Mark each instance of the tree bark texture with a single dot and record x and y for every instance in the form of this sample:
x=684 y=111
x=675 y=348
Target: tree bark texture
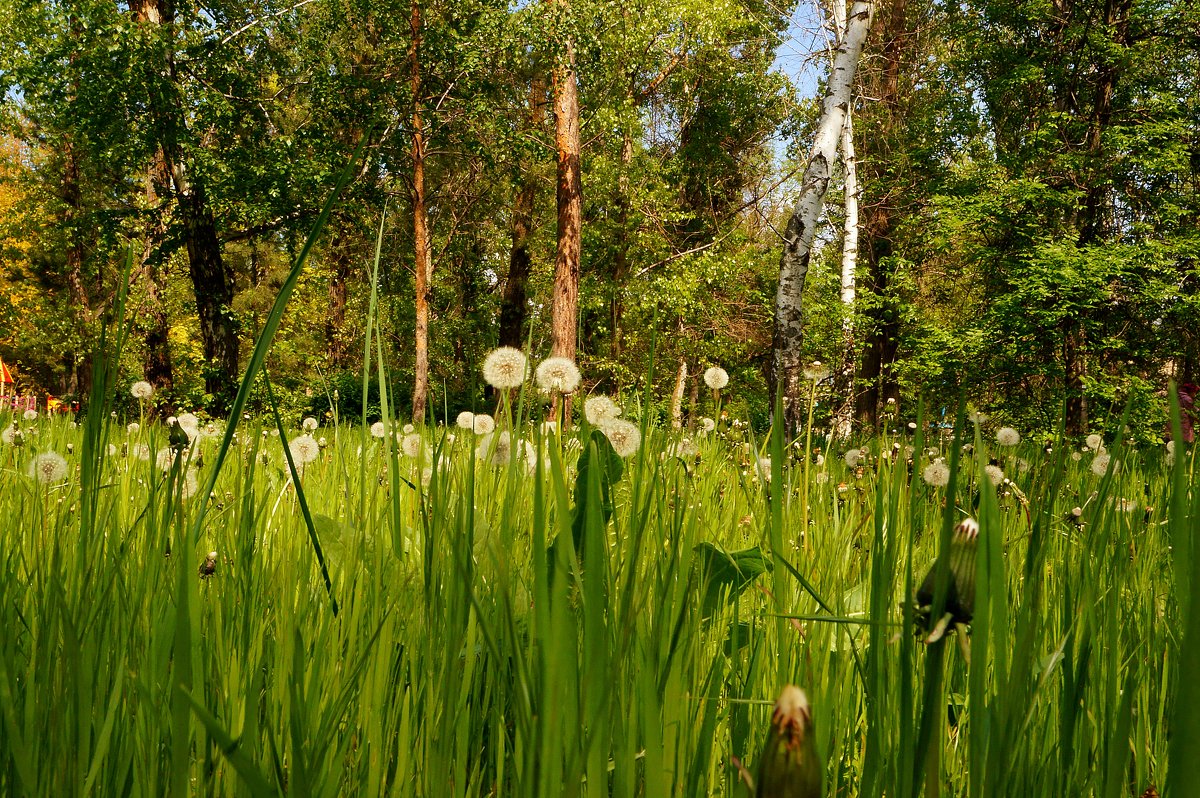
x=787 y=372
x=565 y=301
x=513 y=310
x=212 y=280
x=681 y=378
x=843 y=373
x=422 y=253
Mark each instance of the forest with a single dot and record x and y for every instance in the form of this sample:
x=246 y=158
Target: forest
x=600 y=399
x=1011 y=212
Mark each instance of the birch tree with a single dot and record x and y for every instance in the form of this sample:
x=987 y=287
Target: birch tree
x=787 y=360
x=843 y=417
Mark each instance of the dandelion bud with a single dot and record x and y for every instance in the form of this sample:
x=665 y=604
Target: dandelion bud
x=209 y=566
x=960 y=594
x=788 y=766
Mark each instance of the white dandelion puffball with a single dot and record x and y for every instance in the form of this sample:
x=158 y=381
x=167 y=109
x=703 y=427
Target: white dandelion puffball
x=852 y=457
x=1170 y=447
x=1095 y=442
x=483 y=424
x=624 y=436
x=379 y=430
x=165 y=458
x=764 y=468
x=189 y=423
x=822 y=478
x=977 y=417
x=141 y=451
x=505 y=367
x=9 y=434
x=549 y=427
x=408 y=428
x=685 y=448
x=716 y=378
x=309 y=424
x=465 y=420
x=937 y=474
x=112 y=450
x=304 y=449
x=49 y=468
x=994 y=474
x=30 y=415
x=707 y=424
x=133 y=428
x=558 y=374
x=1007 y=436
x=411 y=445
x=1076 y=456
x=598 y=409
x=1102 y=463
x=528 y=454
x=816 y=371
x=141 y=390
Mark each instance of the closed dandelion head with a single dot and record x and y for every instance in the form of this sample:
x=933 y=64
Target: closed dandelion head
x=465 y=420
x=505 y=368
x=48 y=468
x=379 y=430
x=1007 y=436
x=788 y=764
x=483 y=424
x=716 y=378
x=936 y=474
x=598 y=409
x=624 y=436
x=141 y=390
x=309 y=424
x=304 y=449
x=558 y=375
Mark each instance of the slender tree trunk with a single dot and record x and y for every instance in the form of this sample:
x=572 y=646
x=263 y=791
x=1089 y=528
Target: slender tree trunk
x=843 y=418
x=513 y=311
x=787 y=372
x=681 y=377
x=422 y=254
x=565 y=302
x=157 y=365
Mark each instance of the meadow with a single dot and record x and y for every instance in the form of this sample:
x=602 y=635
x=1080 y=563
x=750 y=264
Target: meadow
x=533 y=612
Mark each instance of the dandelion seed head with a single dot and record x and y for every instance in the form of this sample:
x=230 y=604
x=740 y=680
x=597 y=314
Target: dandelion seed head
x=309 y=424
x=465 y=420
x=936 y=474
x=304 y=449
x=48 y=468
x=411 y=445
x=505 y=367
x=1094 y=441
x=1102 y=463
x=133 y=428
x=31 y=415
x=994 y=473
x=707 y=424
x=816 y=371
x=1007 y=436
x=141 y=390
x=557 y=374
x=716 y=378
x=976 y=417
x=483 y=424
x=379 y=430
x=600 y=408
x=624 y=436
x=1170 y=447
x=852 y=457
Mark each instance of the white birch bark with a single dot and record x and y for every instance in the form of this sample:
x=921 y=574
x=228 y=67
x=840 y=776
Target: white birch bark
x=843 y=418
x=801 y=228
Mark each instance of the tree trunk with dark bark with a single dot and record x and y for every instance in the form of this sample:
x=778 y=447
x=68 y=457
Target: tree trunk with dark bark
x=513 y=311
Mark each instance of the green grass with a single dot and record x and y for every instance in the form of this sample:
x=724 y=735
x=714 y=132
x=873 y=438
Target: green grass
x=470 y=657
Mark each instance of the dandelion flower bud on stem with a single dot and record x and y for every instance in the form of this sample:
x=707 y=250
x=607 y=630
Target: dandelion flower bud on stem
x=788 y=766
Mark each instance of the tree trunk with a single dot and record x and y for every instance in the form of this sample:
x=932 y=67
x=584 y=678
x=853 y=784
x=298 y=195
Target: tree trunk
x=212 y=281
x=787 y=372
x=621 y=256
x=843 y=417
x=565 y=302
x=422 y=254
x=157 y=364
x=677 y=395
x=513 y=311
